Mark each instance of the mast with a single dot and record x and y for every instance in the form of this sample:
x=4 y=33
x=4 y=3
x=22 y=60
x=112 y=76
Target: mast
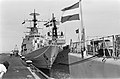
x=33 y=29
x=34 y=18
x=54 y=29
x=53 y=22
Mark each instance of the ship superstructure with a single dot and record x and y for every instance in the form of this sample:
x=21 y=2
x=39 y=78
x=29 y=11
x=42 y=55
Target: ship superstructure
x=34 y=40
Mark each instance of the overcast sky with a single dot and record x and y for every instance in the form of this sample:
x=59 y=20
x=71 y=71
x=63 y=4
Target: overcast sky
x=100 y=17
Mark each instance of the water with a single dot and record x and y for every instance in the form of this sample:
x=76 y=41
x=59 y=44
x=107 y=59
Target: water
x=58 y=71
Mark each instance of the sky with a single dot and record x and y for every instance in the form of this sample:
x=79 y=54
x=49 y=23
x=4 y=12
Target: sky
x=100 y=18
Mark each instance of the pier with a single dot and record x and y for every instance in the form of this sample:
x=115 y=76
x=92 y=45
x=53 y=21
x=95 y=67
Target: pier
x=18 y=69
x=93 y=67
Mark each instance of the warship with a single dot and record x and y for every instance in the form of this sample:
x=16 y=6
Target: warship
x=39 y=49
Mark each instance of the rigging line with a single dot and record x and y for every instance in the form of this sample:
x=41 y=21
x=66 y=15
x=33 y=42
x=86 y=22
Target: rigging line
x=42 y=53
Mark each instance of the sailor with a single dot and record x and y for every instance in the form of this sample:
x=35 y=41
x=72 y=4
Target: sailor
x=3 y=68
x=83 y=51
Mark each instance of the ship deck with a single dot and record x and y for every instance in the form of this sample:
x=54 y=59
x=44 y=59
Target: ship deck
x=17 y=69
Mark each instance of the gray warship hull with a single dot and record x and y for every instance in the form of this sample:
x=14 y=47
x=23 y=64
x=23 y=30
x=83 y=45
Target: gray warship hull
x=43 y=57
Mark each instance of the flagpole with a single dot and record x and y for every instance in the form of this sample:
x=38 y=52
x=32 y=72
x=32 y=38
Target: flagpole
x=81 y=18
x=65 y=34
x=82 y=31
x=78 y=35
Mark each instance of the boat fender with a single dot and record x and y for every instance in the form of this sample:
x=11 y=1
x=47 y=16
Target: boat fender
x=23 y=58
x=20 y=55
x=29 y=62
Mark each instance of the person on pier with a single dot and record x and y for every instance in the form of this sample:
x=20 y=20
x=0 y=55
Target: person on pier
x=3 y=68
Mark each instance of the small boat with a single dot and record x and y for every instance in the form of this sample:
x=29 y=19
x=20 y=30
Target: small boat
x=15 y=51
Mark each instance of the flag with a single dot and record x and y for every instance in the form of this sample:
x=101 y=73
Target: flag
x=46 y=23
x=70 y=13
x=23 y=22
x=70 y=18
x=77 y=31
x=76 y=5
x=50 y=24
x=57 y=22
